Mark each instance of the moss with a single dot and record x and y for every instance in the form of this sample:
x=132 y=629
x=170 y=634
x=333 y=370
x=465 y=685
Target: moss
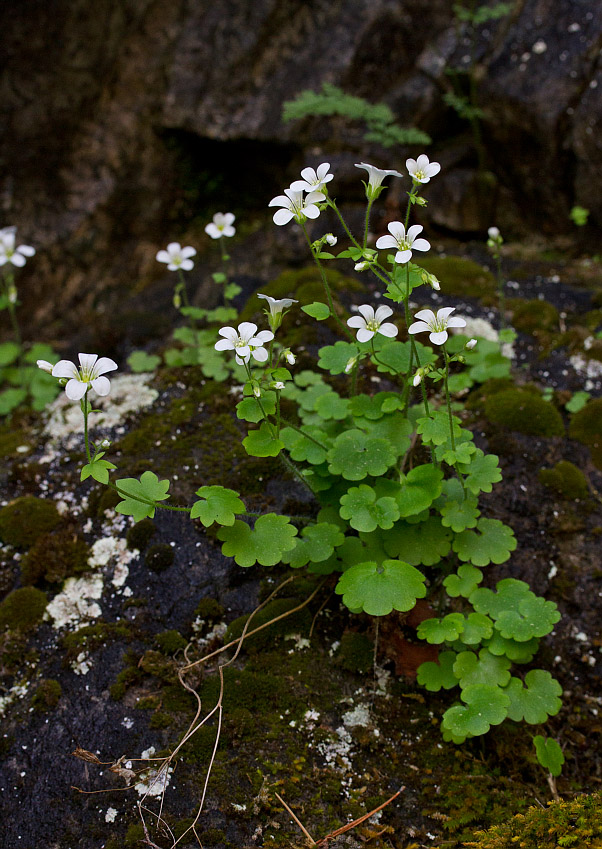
x=160 y=719
x=214 y=837
x=148 y=703
x=177 y=700
x=139 y=534
x=576 y=823
x=134 y=836
x=169 y=642
x=22 y=609
x=356 y=652
x=476 y=399
x=131 y=674
x=25 y=520
x=92 y=637
x=258 y=692
x=10 y=440
x=198 y=749
x=300 y=621
x=462 y=277
x=108 y=500
x=159 y=557
x=159 y=666
x=209 y=610
x=534 y=316
x=565 y=479
x=525 y=412
x=47 y=695
x=586 y=427
x=54 y=557
x=13 y=654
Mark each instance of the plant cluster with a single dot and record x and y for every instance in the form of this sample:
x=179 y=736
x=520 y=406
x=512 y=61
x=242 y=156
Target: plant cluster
x=395 y=477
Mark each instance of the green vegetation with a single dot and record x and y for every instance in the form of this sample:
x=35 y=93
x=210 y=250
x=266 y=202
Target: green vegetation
x=462 y=277
x=586 y=427
x=23 y=609
x=525 y=412
x=534 y=316
x=54 y=557
x=47 y=695
x=565 y=479
x=25 y=520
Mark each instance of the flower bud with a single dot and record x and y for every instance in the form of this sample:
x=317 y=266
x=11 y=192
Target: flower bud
x=417 y=378
x=257 y=391
x=279 y=384
x=45 y=365
x=290 y=357
x=12 y=294
x=106 y=443
x=430 y=280
x=331 y=240
x=350 y=365
x=470 y=345
x=493 y=233
x=361 y=266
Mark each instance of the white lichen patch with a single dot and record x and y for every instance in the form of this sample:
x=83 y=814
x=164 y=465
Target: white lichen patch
x=129 y=393
x=76 y=604
x=360 y=715
x=300 y=642
x=82 y=664
x=113 y=550
x=153 y=781
x=337 y=753
x=590 y=369
x=17 y=691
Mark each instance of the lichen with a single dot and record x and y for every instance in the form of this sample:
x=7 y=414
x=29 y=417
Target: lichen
x=76 y=602
x=26 y=519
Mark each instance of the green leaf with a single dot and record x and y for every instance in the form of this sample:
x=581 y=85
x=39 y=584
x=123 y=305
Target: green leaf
x=10 y=399
x=491 y=543
x=195 y=313
x=9 y=351
x=436 y=631
x=219 y=277
x=419 y=488
x=262 y=442
x=221 y=315
x=317 y=543
x=483 y=471
x=484 y=669
x=535 y=702
x=518 y=652
x=97 y=469
x=534 y=617
x=377 y=590
x=394 y=427
x=216 y=504
x=461 y=514
x=301 y=448
x=420 y=544
x=486 y=705
x=317 y=310
x=365 y=512
x=477 y=627
x=140 y=361
x=462 y=453
x=549 y=754
x=434 y=429
x=140 y=496
x=213 y=364
x=394 y=358
x=464 y=583
x=440 y=675
x=231 y=290
x=334 y=358
x=355 y=455
x=373 y=407
x=332 y=406
x=249 y=409
x=175 y=357
x=271 y=537
x=577 y=402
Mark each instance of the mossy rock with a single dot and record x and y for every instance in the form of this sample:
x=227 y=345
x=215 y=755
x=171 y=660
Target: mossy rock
x=576 y=824
x=259 y=692
x=461 y=277
x=54 y=557
x=477 y=398
x=299 y=621
x=139 y=534
x=23 y=609
x=92 y=637
x=565 y=479
x=47 y=695
x=10 y=440
x=533 y=317
x=169 y=642
x=586 y=427
x=134 y=836
x=304 y=285
x=525 y=412
x=25 y=520
x=210 y=610
x=159 y=557
x=356 y=652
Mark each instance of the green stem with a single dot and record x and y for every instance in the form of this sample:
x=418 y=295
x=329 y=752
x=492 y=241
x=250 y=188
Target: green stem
x=303 y=433
x=86 y=439
x=326 y=286
x=451 y=421
x=367 y=222
x=500 y=291
x=184 y=290
x=333 y=206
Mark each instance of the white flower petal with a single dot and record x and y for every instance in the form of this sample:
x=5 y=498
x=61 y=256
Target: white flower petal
x=456 y=321
x=281 y=200
x=283 y=216
x=422 y=161
x=229 y=218
x=426 y=315
x=75 y=389
x=438 y=338
x=229 y=333
x=17 y=260
x=262 y=337
x=311 y=211
x=309 y=175
x=421 y=245
x=87 y=361
x=412 y=166
x=382 y=313
x=173 y=248
x=444 y=313
x=418 y=327
x=188 y=252
x=432 y=169
x=364 y=335
x=104 y=365
x=187 y=265
x=224 y=345
x=260 y=354
x=388 y=329
x=403 y=256
x=301 y=186
x=64 y=368
x=163 y=256
x=246 y=330
x=101 y=385
x=386 y=242
x=367 y=312
x=26 y=250
x=356 y=321
x=397 y=230
x=413 y=231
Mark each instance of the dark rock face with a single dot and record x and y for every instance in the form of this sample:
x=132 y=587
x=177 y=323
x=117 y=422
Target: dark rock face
x=93 y=102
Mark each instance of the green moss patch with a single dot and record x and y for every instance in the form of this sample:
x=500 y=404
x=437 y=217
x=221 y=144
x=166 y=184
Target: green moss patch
x=169 y=642
x=525 y=412
x=356 y=652
x=565 y=479
x=586 y=427
x=92 y=637
x=54 y=557
x=138 y=535
x=576 y=823
x=296 y=622
x=25 y=520
x=23 y=609
x=533 y=316
x=159 y=557
x=462 y=277
x=47 y=695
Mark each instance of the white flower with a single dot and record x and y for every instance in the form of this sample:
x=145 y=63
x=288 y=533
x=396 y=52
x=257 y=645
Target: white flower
x=290 y=357
x=350 y=365
x=331 y=240
x=370 y=322
x=87 y=376
x=417 y=379
x=279 y=384
x=295 y=206
x=45 y=365
x=404 y=242
x=361 y=266
x=493 y=233
x=375 y=178
x=177 y=257
x=436 y=324
x=471 y=344
x=245 y=342
x=421 y=170
x=313 y=181
x=8 y=251
x=221 y=225
x=277 y=305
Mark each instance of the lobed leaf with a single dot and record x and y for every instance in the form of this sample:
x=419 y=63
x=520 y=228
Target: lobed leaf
x=440 y=675
x=377 y=590
x=271 y=537
x=491 y=543
x=216 y=504
x=535 y=702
